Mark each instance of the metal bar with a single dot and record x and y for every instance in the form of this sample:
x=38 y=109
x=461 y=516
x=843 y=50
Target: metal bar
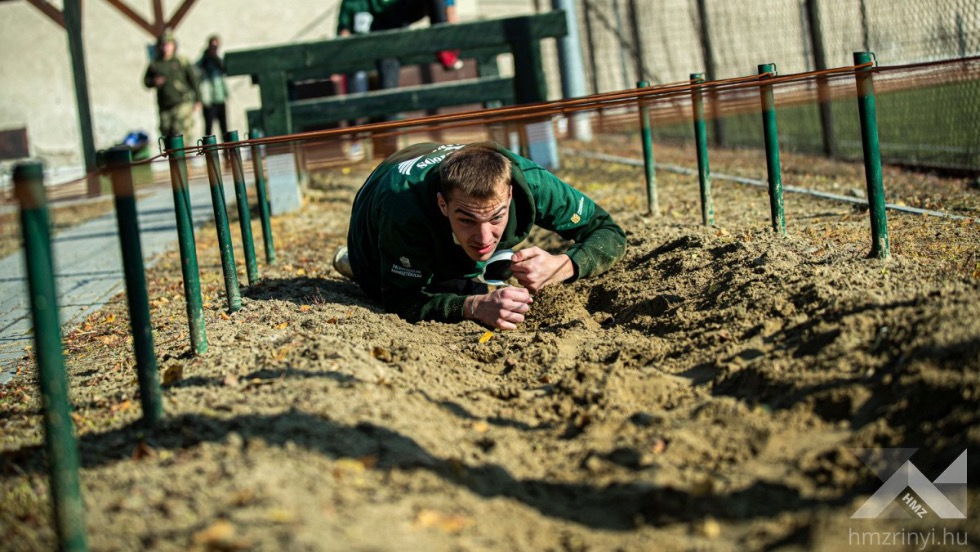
x=590 y=39
x=185 y=241
x=221 y=224
x=241 y=199
x=573 y=68
x=134 y=17
x=759 y=183
x=73 y=26
x=120 y=160
x=636 y=35
x=823 y=89
x=867 y=109
x=260 y=193
x=771 y=133
x=178 y=16
x=701 y=139
x=711 y=73
x=649 y=165
x=62 y=448
x=158 y=23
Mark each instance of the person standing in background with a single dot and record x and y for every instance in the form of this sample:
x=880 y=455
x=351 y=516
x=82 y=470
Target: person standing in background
x=213 y=89
x=361 y=16
x=176 y=82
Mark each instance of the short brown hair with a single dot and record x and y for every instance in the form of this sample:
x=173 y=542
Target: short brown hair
x=476 y=170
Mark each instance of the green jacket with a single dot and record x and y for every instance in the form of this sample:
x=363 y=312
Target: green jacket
x=182 y=82
x=400 y=243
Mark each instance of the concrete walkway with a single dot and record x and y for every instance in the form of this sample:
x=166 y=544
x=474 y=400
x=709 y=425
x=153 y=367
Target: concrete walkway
x=88 y=265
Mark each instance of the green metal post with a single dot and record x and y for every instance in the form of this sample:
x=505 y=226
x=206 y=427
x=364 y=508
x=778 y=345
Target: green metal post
x=649 y=165
x=880 y=246
x=260 y=194
x=66 y=494
x=120 y=161
x=701 y=139
x=241 y=198
x=72 y=12
x=771 y=133
x=221 y=224
x=185 y=241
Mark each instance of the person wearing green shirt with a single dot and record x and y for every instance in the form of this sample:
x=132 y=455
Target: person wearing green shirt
x=427 y=220
x=176 y=82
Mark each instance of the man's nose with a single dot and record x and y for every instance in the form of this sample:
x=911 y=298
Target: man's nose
x=486 y=233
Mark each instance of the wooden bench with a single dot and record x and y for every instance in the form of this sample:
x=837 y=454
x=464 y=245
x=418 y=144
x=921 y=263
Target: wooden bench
x=273 y=68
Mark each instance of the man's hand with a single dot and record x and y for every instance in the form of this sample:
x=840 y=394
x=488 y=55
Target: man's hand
x=503 y=308
x=535 y=268
x=159 y=81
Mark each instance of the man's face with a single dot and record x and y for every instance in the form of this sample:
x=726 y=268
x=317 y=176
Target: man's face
x=478 y=223
x=169 y=47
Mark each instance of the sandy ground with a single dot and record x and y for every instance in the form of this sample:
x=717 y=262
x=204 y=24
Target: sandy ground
x=708 y=393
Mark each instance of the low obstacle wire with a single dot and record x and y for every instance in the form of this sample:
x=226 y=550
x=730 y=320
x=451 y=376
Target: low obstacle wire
x=678 y=169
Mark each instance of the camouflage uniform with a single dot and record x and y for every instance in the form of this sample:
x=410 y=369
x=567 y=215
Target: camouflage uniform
x=178 y=94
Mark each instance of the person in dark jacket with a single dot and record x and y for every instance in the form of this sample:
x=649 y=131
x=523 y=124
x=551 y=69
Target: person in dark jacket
x=213 y=90
x=429 y=217
x=176 y=82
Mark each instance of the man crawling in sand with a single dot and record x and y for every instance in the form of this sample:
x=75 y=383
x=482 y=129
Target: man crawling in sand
x=429 y=218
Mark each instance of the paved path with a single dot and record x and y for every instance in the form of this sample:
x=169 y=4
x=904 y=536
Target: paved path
x=88 y=265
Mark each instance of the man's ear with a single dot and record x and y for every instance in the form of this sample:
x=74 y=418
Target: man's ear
x=443 y=206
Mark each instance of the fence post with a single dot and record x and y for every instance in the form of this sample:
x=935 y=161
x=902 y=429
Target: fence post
x=771 y=134
x=572 y=69
x=701 y=139
x=649 y=165
x=590 y=40
x=880 y=246
x=241 y=199
x=185 y=240
x=221 y=223
x=711 y=73
x=823 y=89
x=258 y=169
x=119 y=159
x=62 y=448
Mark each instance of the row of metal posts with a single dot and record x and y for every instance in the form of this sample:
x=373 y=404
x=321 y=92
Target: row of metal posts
x=62 y=448
x=880 y=247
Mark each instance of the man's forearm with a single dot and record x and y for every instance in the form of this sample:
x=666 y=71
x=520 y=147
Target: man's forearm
x=599 y=252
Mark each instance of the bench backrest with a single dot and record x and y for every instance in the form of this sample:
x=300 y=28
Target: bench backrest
x=273 y=67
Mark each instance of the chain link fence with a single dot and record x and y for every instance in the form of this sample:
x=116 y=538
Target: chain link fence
x=930 y=122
